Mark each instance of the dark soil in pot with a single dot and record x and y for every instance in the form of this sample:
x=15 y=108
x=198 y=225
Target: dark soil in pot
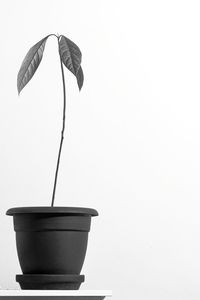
x=53 y=241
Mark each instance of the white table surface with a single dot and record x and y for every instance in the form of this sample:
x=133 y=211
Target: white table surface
x=56 y=293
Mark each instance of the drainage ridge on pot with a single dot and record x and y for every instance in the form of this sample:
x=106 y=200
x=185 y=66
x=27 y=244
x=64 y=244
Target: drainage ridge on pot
x=51 y=240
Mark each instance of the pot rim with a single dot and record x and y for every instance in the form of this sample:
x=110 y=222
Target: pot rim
x=60 y=210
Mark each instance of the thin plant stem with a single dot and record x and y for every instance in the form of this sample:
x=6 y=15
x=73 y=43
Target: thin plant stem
x=63 y=128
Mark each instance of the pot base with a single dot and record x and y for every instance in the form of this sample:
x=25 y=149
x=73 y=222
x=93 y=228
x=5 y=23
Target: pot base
x=50 y=281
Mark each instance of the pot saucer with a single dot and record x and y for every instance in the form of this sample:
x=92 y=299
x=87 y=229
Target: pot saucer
x=50 y=281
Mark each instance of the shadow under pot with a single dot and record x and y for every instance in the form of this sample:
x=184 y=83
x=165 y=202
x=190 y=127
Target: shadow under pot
x=51 y=241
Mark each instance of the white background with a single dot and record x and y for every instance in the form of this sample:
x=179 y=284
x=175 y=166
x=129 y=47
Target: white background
x=132 y=144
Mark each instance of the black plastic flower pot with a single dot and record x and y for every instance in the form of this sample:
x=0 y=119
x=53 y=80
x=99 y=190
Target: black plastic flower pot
x=51 y=241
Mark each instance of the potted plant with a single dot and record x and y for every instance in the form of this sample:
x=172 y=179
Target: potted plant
x=52 y=241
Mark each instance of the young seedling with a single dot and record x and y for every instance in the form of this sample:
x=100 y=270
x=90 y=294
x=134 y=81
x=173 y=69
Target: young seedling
x=70 y=55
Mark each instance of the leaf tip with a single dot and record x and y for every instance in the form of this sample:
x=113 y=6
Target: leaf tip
x=18 y=90
x=80 y=78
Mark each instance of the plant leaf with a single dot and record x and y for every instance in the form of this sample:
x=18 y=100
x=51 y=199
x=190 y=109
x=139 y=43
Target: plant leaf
x=30 y=64
x=70 y=55
x=80 y=78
